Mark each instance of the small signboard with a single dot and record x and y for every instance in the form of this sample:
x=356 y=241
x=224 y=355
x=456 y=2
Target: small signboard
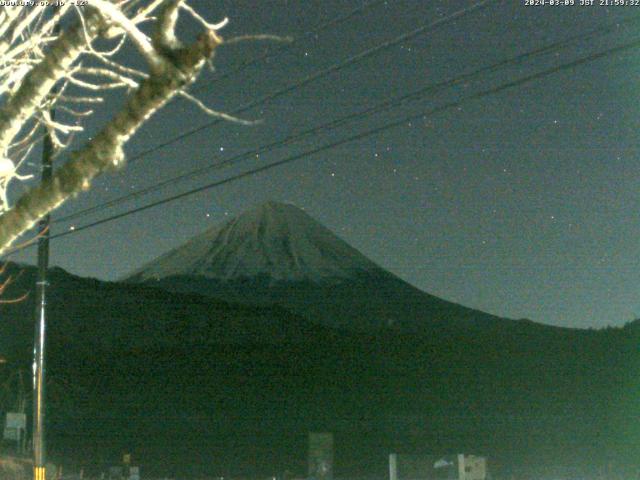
x=16 y=420
x=15 y=426
x=115 y=473
x=320 y=456
x=134 y=473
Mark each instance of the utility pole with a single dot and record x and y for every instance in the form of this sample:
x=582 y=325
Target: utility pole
x=39 y=365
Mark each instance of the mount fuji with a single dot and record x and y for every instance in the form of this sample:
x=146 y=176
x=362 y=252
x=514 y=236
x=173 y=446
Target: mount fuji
x=276 y=254
x=275 y=240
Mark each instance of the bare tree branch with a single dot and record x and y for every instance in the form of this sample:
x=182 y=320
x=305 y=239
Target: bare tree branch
x=105 y=150
x=42 y=67
x=39 y=81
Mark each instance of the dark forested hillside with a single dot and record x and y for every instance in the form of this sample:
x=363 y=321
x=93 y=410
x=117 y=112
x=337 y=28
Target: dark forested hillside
x=211 y=386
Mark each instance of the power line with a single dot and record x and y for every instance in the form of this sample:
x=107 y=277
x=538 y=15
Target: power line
x=361 y=135
x=385 y=105
x=429 y=28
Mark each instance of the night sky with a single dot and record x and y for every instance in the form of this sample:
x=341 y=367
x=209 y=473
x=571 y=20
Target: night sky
x=522 y=203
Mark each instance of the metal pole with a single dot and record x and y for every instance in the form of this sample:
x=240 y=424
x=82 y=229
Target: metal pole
x=39 y=365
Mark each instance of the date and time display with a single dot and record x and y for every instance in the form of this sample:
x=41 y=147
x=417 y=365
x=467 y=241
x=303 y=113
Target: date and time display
x=42 y=3
x=581 y=3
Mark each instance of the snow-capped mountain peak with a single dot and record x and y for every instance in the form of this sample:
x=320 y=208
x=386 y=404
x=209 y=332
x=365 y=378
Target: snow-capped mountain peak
x=275 y=240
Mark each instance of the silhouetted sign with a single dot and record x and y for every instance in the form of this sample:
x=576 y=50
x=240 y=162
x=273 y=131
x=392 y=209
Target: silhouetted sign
x=15 y=426
x=321 y=456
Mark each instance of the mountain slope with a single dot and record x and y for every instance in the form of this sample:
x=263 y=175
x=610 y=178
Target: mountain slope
x=276 y=254
x=200 y=386
x=196 y=386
